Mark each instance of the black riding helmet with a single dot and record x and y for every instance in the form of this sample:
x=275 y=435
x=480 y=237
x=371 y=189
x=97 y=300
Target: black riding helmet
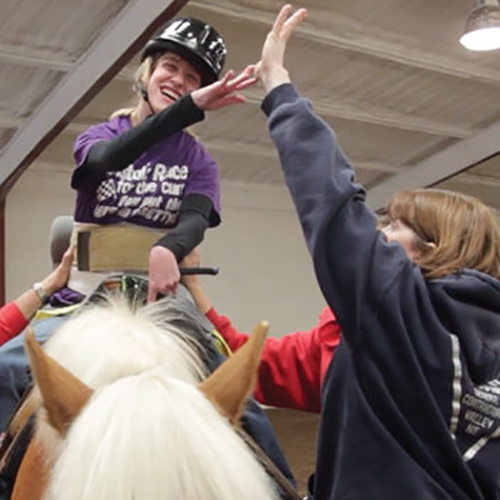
x=195 y=41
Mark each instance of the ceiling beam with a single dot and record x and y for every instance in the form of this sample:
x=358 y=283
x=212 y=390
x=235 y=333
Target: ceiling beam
x=478 y=180
x=118 y=43
x=10 y=121
x=391 y=118
x=37 y=58
x=242 y=148
x=439 y=167
x=375 y=166
x=356 y=39
x=380 y=116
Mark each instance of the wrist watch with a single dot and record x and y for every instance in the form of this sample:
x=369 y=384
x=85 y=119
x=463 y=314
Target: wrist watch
x=42 y=294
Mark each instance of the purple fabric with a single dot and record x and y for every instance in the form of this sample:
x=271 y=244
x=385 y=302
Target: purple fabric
x=149 y=192
x=66 y=297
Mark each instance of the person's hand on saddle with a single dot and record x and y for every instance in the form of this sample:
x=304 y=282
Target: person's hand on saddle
x=225 y=91
x=60 y=275
x=270 y=69
x=30 y=301
x=164 y=275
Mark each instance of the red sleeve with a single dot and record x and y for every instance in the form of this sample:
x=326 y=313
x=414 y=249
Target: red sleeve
x=222 y=324
x=292 y=366
x=289 y=373
x=329 y=335
x=12 y=322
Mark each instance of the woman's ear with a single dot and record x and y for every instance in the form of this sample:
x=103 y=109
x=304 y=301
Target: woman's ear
x=420 y=249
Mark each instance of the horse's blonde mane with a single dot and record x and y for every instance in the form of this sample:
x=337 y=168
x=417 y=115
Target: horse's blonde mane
x=111 y=340
x=151 y=437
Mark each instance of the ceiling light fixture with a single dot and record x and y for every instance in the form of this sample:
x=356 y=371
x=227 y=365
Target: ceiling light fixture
x=482 y=29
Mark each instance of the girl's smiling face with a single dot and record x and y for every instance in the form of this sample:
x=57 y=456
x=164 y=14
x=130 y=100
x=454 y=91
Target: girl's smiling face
x=172 y=77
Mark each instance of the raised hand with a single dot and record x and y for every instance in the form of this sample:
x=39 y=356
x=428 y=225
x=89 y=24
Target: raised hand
x=270 y=69
x=225 y=91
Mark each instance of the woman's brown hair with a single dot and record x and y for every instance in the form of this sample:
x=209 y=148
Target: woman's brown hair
x=455 y=231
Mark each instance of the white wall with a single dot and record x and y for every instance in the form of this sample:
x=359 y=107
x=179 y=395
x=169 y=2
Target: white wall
x=31 y=206
x=266 y=271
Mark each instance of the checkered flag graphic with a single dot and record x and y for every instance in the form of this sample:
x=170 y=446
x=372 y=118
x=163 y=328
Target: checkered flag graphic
x=106 y=190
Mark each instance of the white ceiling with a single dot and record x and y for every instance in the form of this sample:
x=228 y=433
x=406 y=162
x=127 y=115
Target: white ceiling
x=411 y=107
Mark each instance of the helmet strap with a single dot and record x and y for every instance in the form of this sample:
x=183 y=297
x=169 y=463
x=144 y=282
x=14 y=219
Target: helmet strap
x=144 y=95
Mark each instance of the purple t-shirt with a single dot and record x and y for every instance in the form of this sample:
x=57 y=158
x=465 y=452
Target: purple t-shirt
x=149 y=192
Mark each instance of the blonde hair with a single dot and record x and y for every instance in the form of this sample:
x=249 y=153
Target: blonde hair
x=141 y=78
x=455 y=231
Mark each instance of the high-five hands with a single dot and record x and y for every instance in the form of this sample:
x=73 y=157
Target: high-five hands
x=225 y=91
x=270 y=69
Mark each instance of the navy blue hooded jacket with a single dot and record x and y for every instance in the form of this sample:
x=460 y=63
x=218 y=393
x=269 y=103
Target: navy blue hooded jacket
x=411 y=400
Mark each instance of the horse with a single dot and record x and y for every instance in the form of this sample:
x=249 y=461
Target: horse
x=128 y=412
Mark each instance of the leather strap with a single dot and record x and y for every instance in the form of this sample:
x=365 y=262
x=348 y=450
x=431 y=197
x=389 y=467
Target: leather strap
x=19 y=419
x=271 y=468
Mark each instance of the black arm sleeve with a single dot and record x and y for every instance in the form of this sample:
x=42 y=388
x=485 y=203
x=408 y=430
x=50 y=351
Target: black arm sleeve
x=116 y=154
x=191 y=226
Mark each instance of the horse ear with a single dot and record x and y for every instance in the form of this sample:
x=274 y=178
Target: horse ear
x=63 y=394
x=232 y=383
